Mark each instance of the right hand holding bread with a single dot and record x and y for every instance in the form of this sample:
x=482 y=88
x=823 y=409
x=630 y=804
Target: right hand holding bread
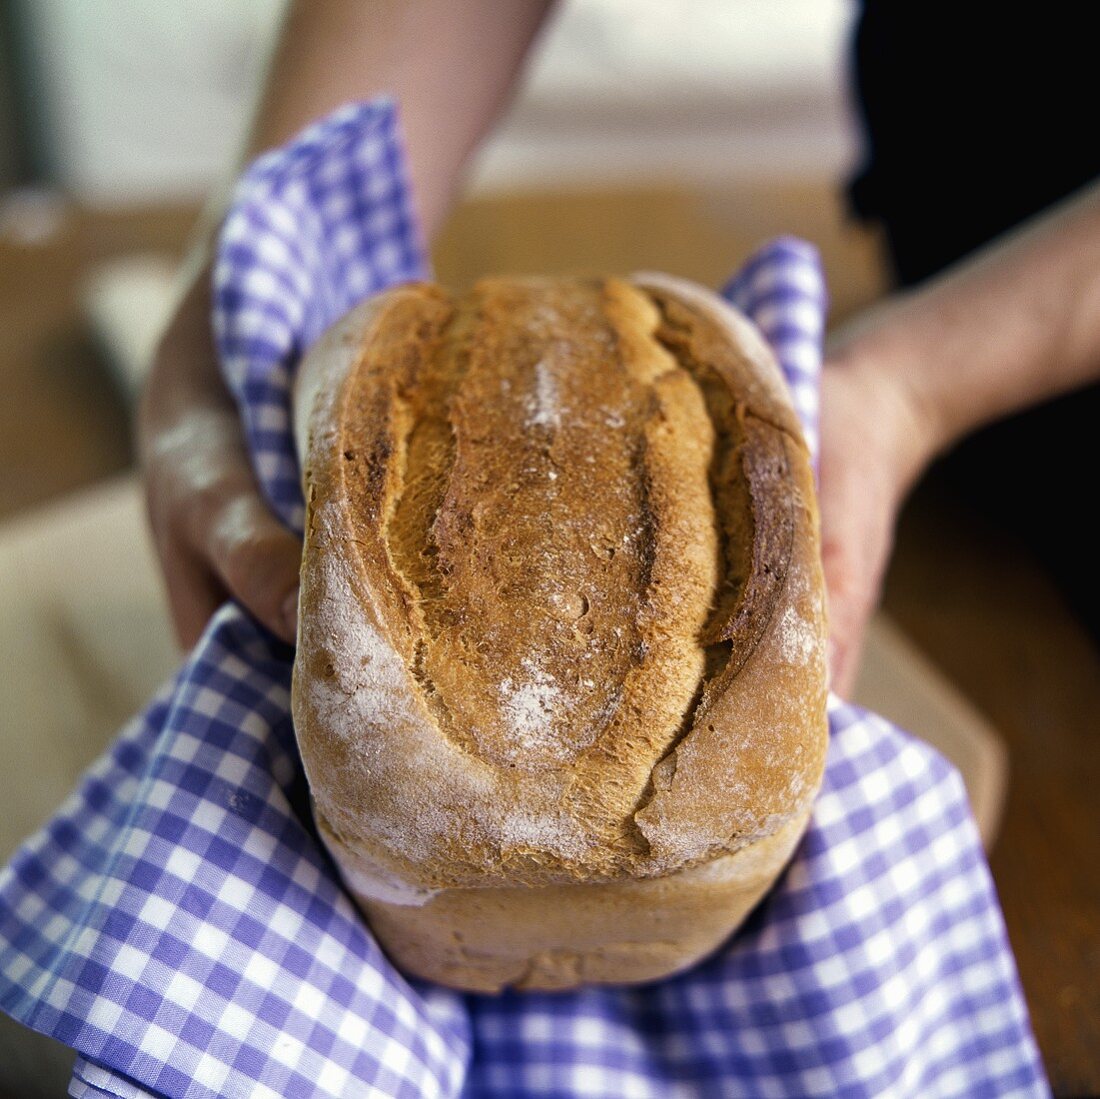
x=874 y=443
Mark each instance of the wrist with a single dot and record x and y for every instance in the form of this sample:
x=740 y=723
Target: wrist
x=890 y=423
x=894 y=387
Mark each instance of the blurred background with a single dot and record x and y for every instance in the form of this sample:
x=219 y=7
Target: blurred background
x=640 y=139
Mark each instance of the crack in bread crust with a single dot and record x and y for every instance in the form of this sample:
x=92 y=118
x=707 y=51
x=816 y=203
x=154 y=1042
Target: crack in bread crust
x=430 y=373
x=751 y=490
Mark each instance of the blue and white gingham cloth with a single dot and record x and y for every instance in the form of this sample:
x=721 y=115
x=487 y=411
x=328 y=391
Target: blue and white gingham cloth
x=179 y=925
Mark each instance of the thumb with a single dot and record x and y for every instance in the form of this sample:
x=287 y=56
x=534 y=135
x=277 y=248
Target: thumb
x=257 y=560
x=852 y=582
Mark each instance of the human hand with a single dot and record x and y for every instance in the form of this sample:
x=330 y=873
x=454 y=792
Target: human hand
x=875 y=441
x=216 y=537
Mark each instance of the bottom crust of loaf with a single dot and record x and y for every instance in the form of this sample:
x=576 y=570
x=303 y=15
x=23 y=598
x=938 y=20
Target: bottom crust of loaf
x=561 y=937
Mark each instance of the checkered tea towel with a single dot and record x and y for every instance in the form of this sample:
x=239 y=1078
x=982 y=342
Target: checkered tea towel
x=179 y=925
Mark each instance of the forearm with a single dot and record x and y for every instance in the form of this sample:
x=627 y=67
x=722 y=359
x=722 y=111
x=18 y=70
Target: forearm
x=451 y=67
x=1016 y=324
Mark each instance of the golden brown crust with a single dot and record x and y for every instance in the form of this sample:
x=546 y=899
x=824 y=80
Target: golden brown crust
x=562 y=620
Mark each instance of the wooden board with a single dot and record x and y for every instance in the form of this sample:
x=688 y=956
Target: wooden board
x=899 y=682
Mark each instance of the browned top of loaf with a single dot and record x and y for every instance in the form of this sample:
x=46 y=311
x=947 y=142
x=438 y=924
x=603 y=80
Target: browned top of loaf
x=561 y=602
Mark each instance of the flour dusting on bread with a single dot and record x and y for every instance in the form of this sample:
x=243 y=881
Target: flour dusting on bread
x=545 y=409
x=532 y=706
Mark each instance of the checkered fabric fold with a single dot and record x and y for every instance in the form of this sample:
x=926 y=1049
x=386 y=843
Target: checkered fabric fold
x=180 y=926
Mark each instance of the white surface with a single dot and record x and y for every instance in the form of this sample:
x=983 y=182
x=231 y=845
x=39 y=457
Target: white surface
x=144 y=101
x=659 y=91
x=128 y=301
x=148 y=102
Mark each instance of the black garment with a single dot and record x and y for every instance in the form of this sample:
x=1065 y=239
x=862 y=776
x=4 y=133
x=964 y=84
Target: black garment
x=973 y=122
x=977 y=117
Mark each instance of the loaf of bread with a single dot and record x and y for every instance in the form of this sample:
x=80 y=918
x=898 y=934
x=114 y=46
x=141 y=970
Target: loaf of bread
x=560 y=680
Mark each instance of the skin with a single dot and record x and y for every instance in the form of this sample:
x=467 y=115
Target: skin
x=1016 y=324
x=1013 y=325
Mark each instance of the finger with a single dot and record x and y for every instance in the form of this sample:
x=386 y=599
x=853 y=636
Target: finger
x=257 y=559
x=193 y=595
x=212 y=501
x=192 y=590
x=852 y=593
x=844 y=662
